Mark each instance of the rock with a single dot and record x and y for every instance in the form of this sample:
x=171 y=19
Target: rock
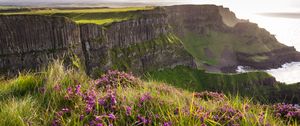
x=149 y=42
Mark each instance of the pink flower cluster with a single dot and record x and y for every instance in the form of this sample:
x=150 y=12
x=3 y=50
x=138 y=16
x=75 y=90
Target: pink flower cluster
x=113 y=79
x=210 y=96
x=287 y=111
x=227 y=114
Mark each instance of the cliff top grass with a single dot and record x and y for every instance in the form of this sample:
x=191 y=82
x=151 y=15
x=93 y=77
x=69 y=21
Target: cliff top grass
x=60 y=96
x=98 y=16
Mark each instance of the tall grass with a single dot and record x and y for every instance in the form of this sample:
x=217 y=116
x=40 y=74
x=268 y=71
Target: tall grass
x=47 y=102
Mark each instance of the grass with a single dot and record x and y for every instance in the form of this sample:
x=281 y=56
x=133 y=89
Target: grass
x=151 y=100
x=98 y=16
x=251 y=84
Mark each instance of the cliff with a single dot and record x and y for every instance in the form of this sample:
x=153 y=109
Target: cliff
x=30 y=42
x=137 y=45
x=219 y=41
x=207 y=36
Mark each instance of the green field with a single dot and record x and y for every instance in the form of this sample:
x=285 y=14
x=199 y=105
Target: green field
x=83 y=16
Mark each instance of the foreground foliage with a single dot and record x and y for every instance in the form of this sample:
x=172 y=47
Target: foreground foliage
x=62 y=96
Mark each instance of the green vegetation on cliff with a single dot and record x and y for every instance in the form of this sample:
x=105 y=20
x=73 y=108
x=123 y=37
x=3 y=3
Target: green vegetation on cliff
x=125 y=58
x=60 y=96
x=211 y=48
x=84 y=16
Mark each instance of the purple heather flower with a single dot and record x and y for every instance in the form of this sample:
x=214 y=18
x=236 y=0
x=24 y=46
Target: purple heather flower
x=98 y=118
x=77 y=89
x=57 y=87
x=145 y=97
x=167 y=124
x=99 y=124
x=113 y=99
x=143 y=120
x=111 y=116
x=128 y=111
x=88 y=109
x=101 y=101
x=81 y=117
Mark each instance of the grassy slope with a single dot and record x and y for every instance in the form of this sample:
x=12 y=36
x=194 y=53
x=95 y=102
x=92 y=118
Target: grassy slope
x=217 y=41
x=83 y=16
x=30 y=106
x=246 y=84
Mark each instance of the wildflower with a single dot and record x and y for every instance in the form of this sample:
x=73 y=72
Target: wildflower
x=227 y=114
x=101 y=101
x=128 y=111
x=112 y=116
x=77 y=89
x=145 y=97
x=81 y=117
x=99 y=124
x=143 y=120
x=69 y=91
x=286 y=110
x=115 y=78
x=57 y=87
x=167 y=124
x=210 y=96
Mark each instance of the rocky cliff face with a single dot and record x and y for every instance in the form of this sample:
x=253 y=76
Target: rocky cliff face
x=138 y=45
x=159 y=38
x=29 y=42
